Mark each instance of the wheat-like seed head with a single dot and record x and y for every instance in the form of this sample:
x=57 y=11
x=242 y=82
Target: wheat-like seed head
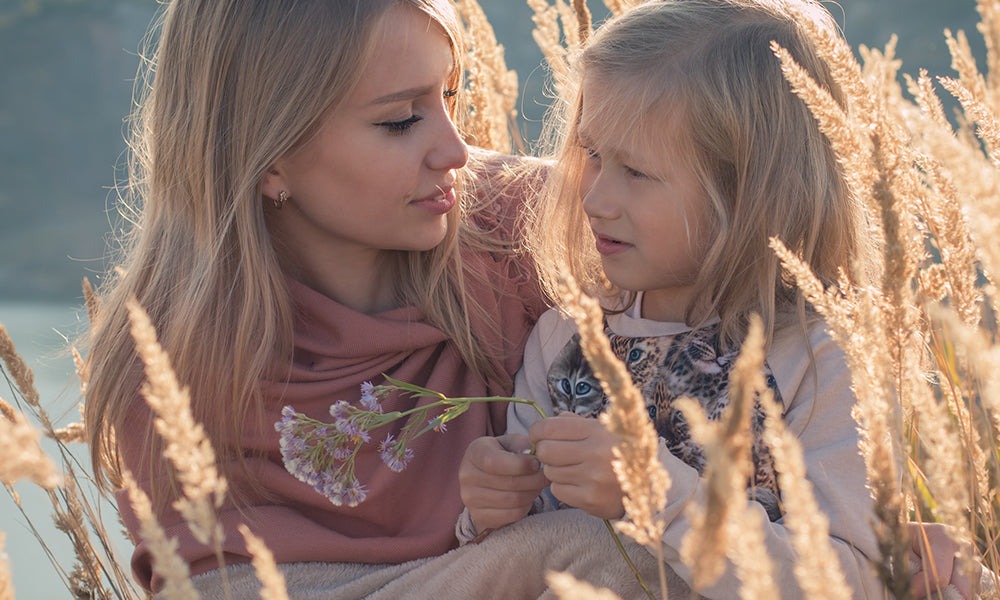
x=187 y=446
x=166 y=562
x=21 y=456
x=643 y=479
x=568 y=587
x=270 y=576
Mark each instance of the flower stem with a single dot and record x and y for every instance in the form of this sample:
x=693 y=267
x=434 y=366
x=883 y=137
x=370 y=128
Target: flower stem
x=628 y=561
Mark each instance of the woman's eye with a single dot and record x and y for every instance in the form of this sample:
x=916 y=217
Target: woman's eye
x=592 y=154
x=450 y=93
x=398 y=127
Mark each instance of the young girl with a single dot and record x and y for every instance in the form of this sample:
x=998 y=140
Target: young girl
x=686 y=151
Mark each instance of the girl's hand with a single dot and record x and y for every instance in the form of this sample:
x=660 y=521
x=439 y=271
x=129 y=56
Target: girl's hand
x=498 y=481
x=936 y=554
x=576 y=456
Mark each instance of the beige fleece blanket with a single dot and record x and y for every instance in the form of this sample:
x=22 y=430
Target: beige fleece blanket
x=510 y=564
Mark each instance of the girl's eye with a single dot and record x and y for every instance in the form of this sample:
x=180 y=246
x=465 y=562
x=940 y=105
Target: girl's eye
x=450 y=93
x=633 y=173
x=399 y=127
x=592 y=154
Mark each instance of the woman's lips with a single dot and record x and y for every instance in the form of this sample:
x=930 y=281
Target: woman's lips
x=438 y=204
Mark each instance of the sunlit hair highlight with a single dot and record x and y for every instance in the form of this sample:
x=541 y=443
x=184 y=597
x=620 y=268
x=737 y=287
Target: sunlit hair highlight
x=228 y=87
x=753 y=145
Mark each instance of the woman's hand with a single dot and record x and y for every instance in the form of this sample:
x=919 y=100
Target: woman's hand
x=576 y=456
x=499 y=481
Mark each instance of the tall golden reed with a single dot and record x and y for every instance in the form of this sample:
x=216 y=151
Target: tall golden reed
x=727 y=525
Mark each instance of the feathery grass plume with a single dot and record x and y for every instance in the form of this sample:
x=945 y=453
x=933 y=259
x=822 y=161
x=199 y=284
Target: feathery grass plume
x=557 y=34
x=856 y=320
x=941 y=212
x=922 y=90
x=570 y=588
x=166 y=562
x=21 y=456
x=728 y=467
x=491 y=87
x=644 y=481
x=74 y=432
x=847 y=137
x=273 y=581
x=987 y=126
x=727 y=521
x=964 y=63
x=187 y=447
x=85 y=579
x=817 y=568
x=583 y=20
x=989 y=27
x=617 y=7
x=91 y=300
x=6 y=582
x=24 y=378
x=6 y=410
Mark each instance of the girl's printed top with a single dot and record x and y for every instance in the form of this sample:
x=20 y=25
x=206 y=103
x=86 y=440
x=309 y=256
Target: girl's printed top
x=669 y=359
x=406 y=515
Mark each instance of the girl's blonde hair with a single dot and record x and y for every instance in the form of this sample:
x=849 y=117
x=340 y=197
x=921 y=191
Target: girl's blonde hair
x=232 y=86
x=755 y=148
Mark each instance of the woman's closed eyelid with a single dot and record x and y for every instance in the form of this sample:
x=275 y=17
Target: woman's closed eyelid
x=401 y=126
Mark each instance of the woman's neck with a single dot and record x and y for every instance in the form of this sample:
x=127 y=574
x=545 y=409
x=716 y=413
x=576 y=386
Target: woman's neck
x=365 y=283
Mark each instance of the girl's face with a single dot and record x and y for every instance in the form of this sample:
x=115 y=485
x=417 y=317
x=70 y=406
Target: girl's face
x=379 y=173
x=646 y=208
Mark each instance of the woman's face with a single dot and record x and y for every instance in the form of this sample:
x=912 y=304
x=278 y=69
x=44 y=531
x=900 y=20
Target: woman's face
x=379 y=173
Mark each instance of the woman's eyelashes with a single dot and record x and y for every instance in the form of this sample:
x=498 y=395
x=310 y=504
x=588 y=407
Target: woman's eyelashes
x=403 y=125
x=400 y=127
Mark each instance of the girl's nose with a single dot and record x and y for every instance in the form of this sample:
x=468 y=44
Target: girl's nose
x=598 y=203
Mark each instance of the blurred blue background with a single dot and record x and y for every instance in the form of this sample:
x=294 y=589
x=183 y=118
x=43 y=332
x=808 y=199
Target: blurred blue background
x=66 y=71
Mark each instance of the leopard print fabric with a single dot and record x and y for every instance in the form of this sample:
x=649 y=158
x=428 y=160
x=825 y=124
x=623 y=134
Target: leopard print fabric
x=688 y=364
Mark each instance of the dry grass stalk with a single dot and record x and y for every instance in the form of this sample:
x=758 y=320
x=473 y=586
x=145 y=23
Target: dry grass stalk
x=491 y=87
x=583 y=20
x=856 y=321
x=6 y=582
x=570 y=588
x=644 y=481
x=817 y=568
x=90 y=300
x=187 y=446
x=557 y=34
x=23 y=377
x=617 y=7
x=7 y=411
x=21 y=456
x=987 y=126
x=166 y=562
x=86 y=577
x=74 y=432
x=273 y=581
x=727 y=524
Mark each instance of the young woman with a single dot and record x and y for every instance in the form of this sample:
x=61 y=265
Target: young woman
x=305 y=223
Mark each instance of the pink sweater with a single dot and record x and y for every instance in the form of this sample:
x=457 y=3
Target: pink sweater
x=406 y=515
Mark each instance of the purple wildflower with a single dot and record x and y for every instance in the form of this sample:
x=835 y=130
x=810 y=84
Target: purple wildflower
x=370 y=397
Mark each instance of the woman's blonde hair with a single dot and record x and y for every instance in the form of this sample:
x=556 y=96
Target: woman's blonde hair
x=756 y=150
x=232 y=86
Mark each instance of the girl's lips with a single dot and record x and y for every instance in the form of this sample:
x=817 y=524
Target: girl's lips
x=607 y=246
x=438 y=204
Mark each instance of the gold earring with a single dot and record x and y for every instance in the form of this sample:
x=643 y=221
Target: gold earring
x=280 y=201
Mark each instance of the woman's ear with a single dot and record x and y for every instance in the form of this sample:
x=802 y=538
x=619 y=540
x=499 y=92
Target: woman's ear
x=274 y=184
